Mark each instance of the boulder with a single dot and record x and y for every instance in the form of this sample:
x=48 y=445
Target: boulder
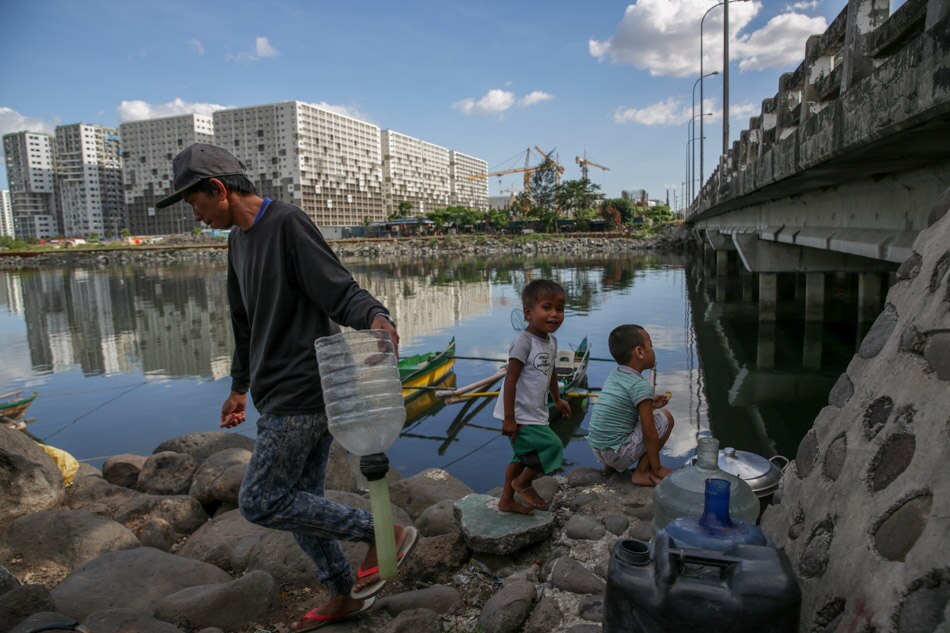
x=86 y=470
x=569 y=575
x=96 y=495
x=65 y=537
x=37 y=620
x=181 y=512
x=427 y=488
x=580 y=477
x=546 y=486
x=30 y=481
x=215 y=542
x=616 y=525
x=591 y=608
x=203 y=445
x=7 y=580
x=135 y=579
x=167 y=473
x=218 y=478
x=126 y=621
x=436 y=558
x=123 y=470
x=545 y=617
x=487 y=530
x=340 y=474
x=231 y=605
x=355 y=501
x=438 y=519
x=584 y=527
x=415 y=621
x=507 y=610
x=277 y=553
x=440 y=598
x=19 y=603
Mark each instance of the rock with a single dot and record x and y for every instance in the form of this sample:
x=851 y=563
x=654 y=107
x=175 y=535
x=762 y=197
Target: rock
x=485 y=529
x=157 y=533
x=584 y=477
x=546 y=616
x=85 y=470
x=136 y=579
x=37 y=620
x=495 y=492
x=126 y=621
x=229 y=465
x=21 y=602
x=278 y=553
x=203 y=445
x=340 y=474
x=435 y=558
x=440 y=598
x=584 y=628
x=123 y=470
x=415 y=621
x=66 y=537
x=569 y=575
x=438 y=519
x=584 y=527
x=546 y=486
x=230 y=605
x=506 y=611
x=182 y=513
x=96 y=495
x=167 y=473
x=583 y=499
x=616 y=525
x=427 y=488
x=362 y=503
x=641 y=531
x=215 y=542
x=30 y=481
x=7 y=580
x=592 y=609
x=211 y=629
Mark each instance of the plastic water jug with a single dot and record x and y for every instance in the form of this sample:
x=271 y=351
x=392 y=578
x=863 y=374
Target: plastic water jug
x=752 y=588
x=714 y=530
x=365 y=413
x=682 y=493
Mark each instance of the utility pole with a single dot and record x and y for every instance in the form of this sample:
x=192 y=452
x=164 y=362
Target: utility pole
x=725 y=76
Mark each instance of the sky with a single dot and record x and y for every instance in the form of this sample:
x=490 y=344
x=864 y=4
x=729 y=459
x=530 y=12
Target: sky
x=490 y=78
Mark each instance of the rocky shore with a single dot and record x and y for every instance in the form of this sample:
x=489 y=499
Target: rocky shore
x=155 y=542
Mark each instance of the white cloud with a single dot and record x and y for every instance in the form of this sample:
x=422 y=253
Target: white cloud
x=672 y=111
x=197 y=47
x=262 y=50
x=534 y=97
x=13 y=121
x=662 y=36
x=496 y=102
x=136 y=110
x=804 y=5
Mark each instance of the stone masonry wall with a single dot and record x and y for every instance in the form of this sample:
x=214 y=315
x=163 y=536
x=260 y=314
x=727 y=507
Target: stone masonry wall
x=865 y=508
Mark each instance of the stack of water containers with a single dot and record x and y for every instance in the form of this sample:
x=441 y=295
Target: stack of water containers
x=710 y=568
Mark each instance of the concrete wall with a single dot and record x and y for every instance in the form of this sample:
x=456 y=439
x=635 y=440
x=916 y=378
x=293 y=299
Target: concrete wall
x=865 y=507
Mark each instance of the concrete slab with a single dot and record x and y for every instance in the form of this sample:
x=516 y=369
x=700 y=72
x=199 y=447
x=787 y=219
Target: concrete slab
x=815 y=237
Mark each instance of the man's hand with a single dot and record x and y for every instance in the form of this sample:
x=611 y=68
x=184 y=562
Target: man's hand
x=661 y=472
x=382 y=323
x=563 y=406
x=510 y=428
x=233 y=410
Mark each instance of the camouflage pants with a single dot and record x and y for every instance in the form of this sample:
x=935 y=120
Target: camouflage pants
x=283 y=489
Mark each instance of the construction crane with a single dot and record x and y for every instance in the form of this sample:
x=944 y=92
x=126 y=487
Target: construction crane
x=583 y=162
x=558 y=166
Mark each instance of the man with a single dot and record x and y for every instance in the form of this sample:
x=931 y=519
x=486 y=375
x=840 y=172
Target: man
x=286 y=288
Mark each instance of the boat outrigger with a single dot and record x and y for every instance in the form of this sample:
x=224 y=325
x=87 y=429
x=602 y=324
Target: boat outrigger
x=13 y=405
x=571 y=369
x=425 y=370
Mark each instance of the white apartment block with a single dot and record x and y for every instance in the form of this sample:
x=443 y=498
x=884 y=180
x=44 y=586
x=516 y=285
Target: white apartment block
x=30 y=161
x=148 y=148
x=414 y=171
x=89 y=180
x=6 y=214
x=466 y=191
x=326 y=163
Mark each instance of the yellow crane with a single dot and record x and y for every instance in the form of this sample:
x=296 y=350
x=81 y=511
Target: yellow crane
x=583 y=162
x=558 y=166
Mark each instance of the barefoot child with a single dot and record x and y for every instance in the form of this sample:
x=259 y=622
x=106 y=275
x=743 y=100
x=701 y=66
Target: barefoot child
x=523 y=401
x=629 y=424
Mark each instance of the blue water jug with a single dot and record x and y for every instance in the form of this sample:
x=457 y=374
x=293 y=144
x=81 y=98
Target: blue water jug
x=714 y=530
x=670 y=590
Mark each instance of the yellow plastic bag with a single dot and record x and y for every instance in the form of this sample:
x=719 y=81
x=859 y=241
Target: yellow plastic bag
x=67 y=463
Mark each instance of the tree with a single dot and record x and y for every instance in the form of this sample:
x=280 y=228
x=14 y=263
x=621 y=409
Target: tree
x=578 y=195
x=623 y=207
x=124 y=233
x=196 y=231
x=497 y=218
x=405 y=209
x=660 y=214
x=544 y=187
x=523 y=203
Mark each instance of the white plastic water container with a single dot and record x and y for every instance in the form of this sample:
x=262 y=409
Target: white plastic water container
x=361 y=390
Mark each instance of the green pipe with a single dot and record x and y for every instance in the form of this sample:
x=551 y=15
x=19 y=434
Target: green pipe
x=383 y=526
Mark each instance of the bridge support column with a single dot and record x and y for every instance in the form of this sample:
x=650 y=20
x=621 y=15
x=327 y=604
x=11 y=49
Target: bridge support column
x=812 y=348
x=765 y=348
x=814 y=296
x=768 y=296
x=722 y=263
x=869 y=296
x=748 y=285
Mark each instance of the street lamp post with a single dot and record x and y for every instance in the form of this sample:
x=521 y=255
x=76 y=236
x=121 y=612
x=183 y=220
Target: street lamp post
x=692 y=162
x=691 y=136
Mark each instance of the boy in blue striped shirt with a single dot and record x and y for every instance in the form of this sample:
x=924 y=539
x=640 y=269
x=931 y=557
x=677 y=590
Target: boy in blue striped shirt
x=629 y=423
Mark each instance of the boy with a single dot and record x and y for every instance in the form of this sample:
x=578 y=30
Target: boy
x=523 y=401
x=624 y=427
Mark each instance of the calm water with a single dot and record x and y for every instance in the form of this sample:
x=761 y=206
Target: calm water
x=124 y=358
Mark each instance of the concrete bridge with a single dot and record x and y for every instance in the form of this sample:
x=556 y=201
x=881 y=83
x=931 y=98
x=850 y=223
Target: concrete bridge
x=846 y=164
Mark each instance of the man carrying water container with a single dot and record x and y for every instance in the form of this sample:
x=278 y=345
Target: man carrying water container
x=286 y=288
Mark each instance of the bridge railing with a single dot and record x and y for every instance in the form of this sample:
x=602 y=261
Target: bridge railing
x=798 y=127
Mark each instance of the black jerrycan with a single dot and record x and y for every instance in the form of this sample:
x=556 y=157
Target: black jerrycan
x=672 y=590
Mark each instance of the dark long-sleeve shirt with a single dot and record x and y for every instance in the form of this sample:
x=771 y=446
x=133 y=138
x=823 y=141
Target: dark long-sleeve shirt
x=286 y=289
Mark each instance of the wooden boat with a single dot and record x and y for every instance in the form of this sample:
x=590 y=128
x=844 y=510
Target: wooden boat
x=571 y=369
x=425 y=370
x=13 y=405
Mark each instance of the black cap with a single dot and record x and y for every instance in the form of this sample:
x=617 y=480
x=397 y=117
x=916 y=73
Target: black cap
x=198 y=162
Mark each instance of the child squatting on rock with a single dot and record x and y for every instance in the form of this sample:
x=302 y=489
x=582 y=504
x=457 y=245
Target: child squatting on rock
x=629 y=423
x=522 y=404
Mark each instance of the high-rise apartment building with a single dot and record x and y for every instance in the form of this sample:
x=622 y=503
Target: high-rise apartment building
x=326 y=163
x=30 y=162
x=466 y=191
x=6 y=214
x=89 y=180
x=148 y=148
x=414 y=171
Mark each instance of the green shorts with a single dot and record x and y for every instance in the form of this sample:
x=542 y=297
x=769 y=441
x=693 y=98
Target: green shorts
x=538 y=447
